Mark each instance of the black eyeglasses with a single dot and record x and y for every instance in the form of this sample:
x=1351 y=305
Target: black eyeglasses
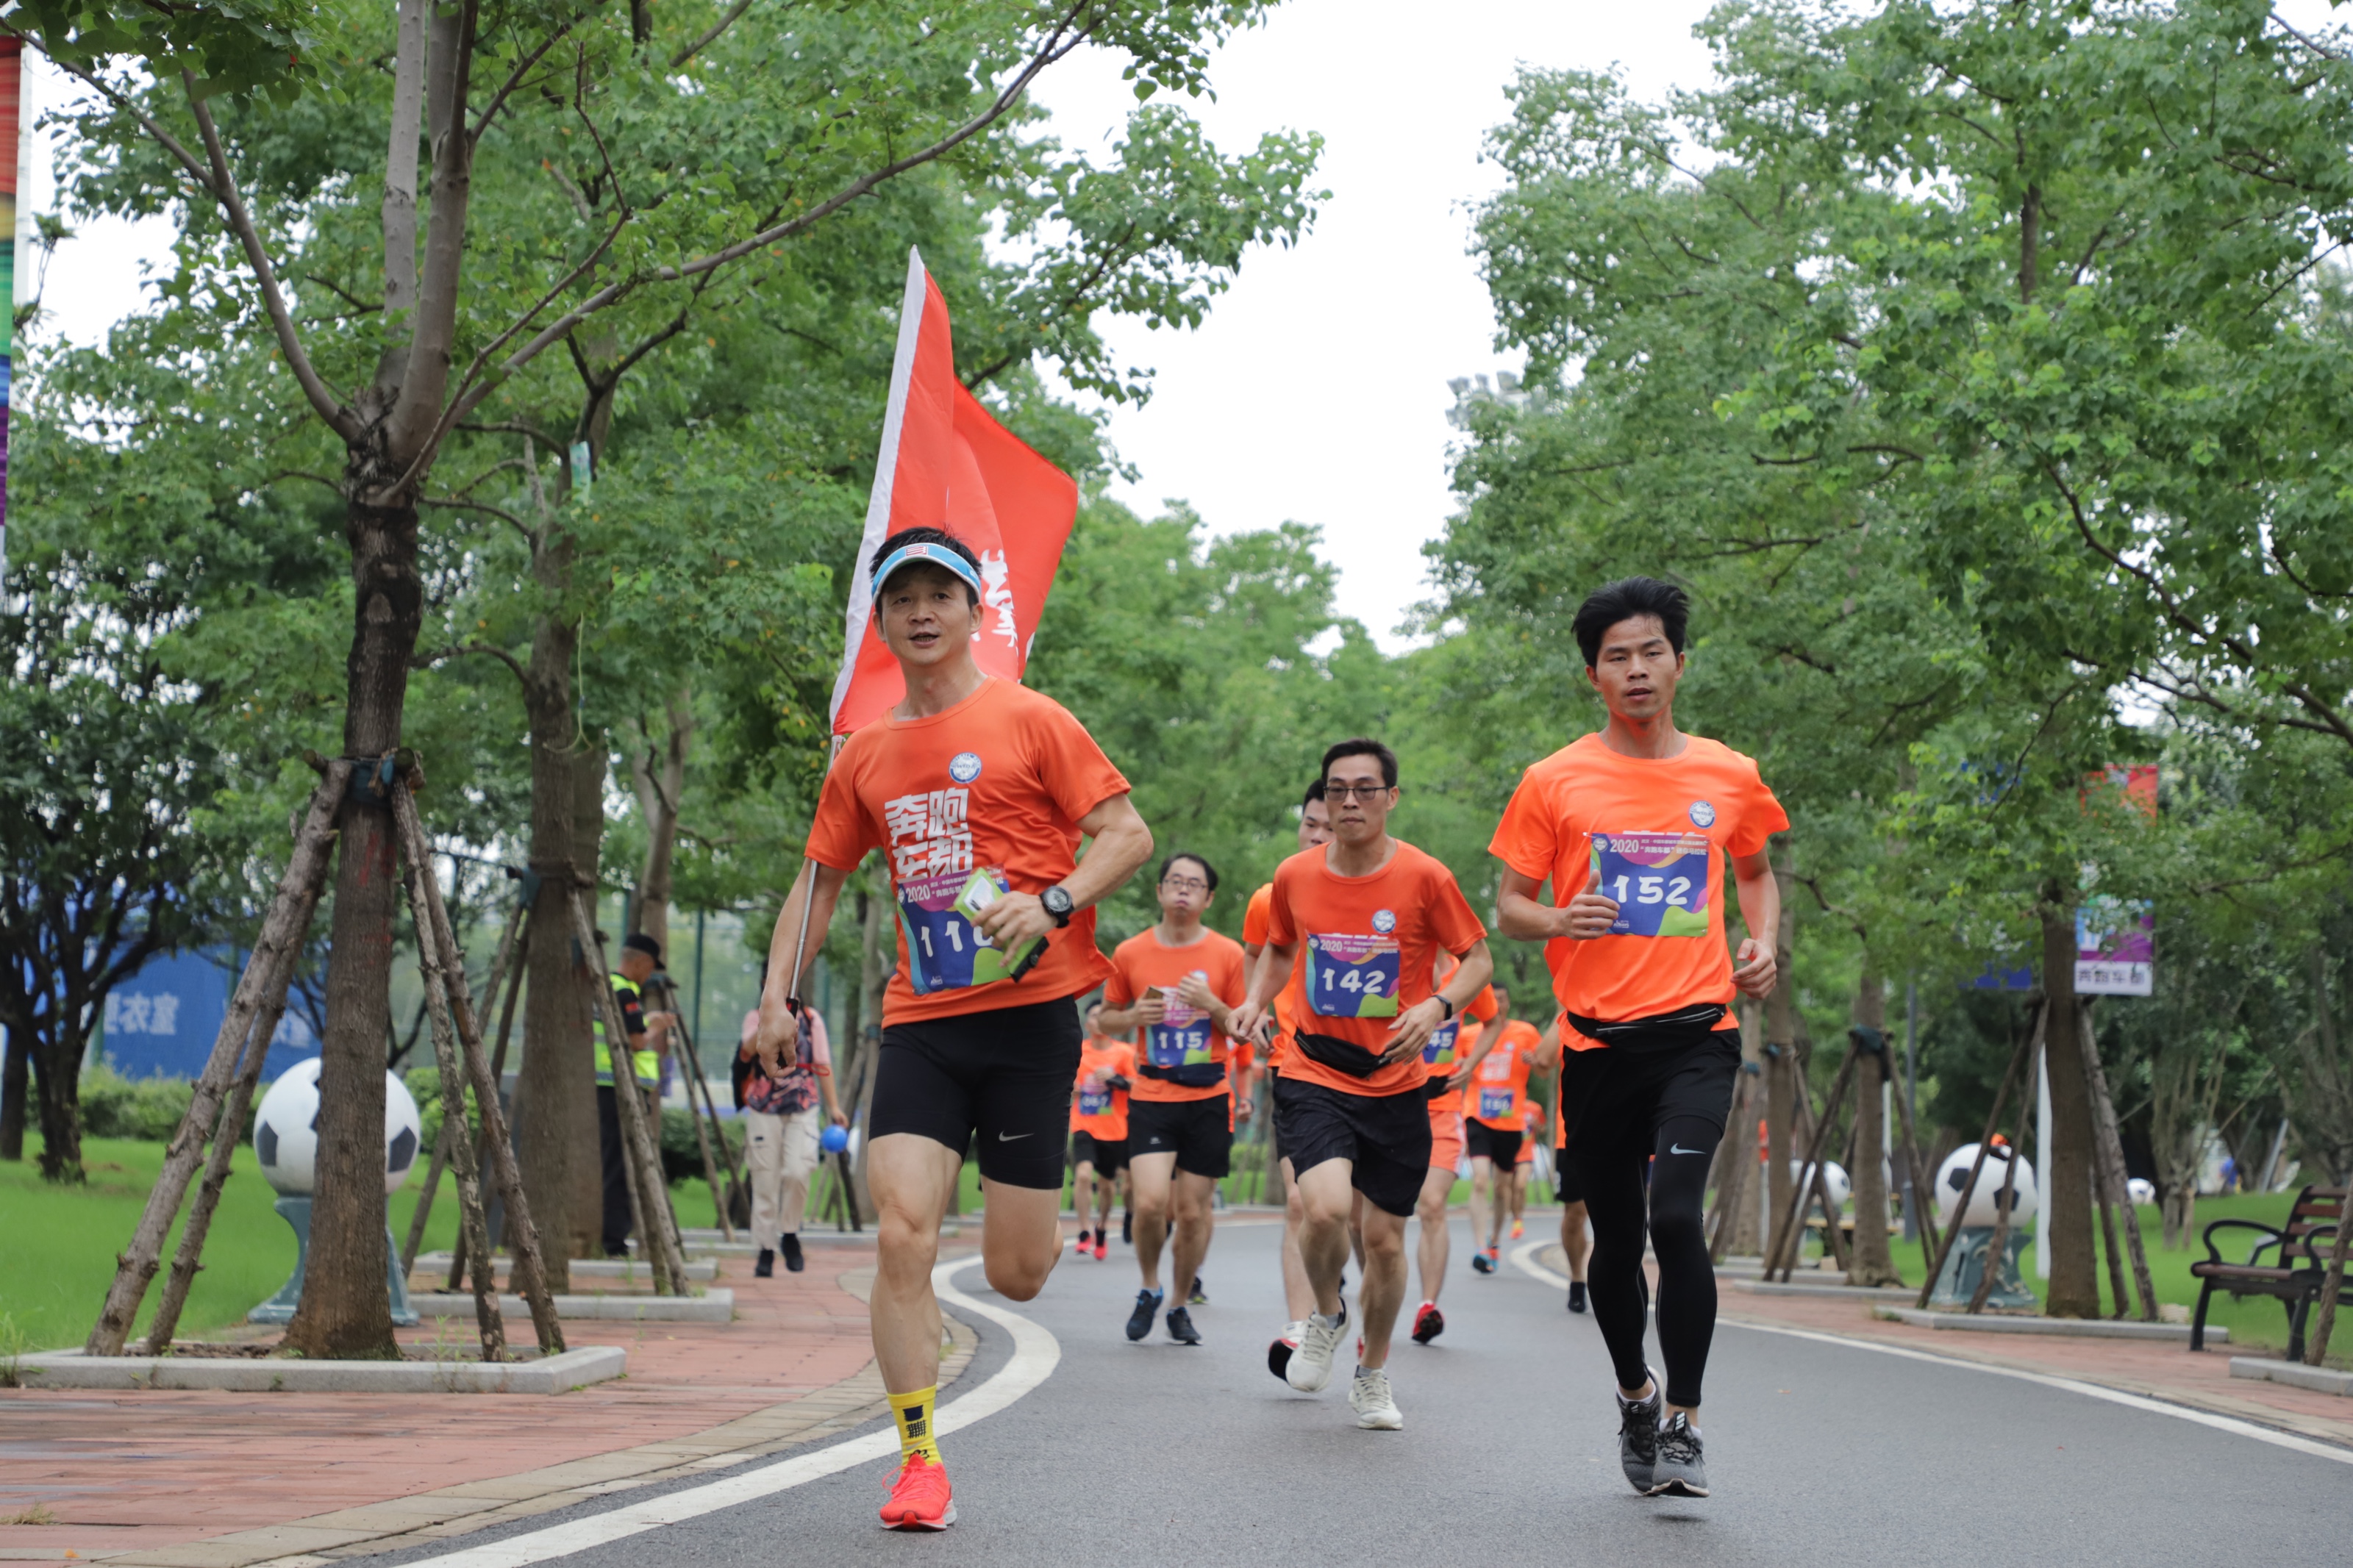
x=1361 y=792
x=1185 y=884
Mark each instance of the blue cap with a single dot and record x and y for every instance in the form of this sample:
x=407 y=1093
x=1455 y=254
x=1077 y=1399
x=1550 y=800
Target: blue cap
x=938 y=555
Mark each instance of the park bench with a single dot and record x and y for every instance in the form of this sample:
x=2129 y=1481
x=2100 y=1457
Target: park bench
x=2296 y=1274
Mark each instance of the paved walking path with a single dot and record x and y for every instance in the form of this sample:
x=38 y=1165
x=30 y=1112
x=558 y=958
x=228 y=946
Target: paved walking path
x=169 y=1480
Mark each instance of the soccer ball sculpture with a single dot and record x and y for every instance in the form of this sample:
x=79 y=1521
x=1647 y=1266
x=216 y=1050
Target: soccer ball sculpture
x=1834 y=1177
x=286 y=1131
x=1954 y=1174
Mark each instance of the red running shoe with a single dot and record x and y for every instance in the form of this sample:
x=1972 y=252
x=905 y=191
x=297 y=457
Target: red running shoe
x=1100 y=1249
x=920 y=1498
x=1428 y=1323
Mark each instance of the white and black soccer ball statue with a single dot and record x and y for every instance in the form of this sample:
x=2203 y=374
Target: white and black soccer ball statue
x=286 y=1131
x=1834 y=1177
x=1984 y=1203
x=2140 y=1190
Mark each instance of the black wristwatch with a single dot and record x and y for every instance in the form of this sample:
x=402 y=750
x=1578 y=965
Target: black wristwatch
x=1056 y=901
x=1445 y=1004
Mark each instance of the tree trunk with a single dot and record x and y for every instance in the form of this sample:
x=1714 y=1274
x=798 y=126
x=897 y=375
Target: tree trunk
x=658 y=780
x=1875 y=1263
x=16 y=1078
x=557 y=1083
x=346 y=1312
x=2067 y=1228
x=56 y=1083
x=1781 y=1066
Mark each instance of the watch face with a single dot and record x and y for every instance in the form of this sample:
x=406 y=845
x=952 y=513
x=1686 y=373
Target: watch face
x=1057 y=902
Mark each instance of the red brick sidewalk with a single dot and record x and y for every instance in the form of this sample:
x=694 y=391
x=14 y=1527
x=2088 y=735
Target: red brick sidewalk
x=188 y=1479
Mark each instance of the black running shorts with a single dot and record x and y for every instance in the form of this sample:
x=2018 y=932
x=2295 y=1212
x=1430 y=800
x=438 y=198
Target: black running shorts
x=1482 y=1141
x=1624 y=1095
x=1566 y=1187
x=1107 y=1155
x=1004 y=1074
x=1199 y=1132
x=1385 y=1138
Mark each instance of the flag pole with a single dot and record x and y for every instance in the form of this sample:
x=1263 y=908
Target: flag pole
x=808 y=893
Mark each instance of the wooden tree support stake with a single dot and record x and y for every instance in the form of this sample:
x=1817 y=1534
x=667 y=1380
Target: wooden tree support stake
x=692 y=1081
x=664 y=1255
x=436 y=936
x=498 y=1076
x=1814 y=1186
x=281 y=935
x=1985 y=1143
x=2109 y=1160
x=416 y=1222
x=1732 y=1189
x=2323 y=1321
x=2003 y=1203
x=1923 y=1192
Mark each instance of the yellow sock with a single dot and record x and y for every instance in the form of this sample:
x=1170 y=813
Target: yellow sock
x=913 y=1412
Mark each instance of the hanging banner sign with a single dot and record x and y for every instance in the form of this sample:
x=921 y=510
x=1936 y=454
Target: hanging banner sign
x=2116 y=943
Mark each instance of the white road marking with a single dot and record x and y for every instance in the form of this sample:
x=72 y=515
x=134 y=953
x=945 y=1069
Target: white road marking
x=1523 y=1256
x=1035 y=1352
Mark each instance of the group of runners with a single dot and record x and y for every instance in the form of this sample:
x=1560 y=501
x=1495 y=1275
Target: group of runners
x=1365 y=975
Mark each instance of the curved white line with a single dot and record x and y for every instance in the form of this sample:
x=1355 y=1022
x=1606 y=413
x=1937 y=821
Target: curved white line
x=1525 y=1258
x=1035 y=1352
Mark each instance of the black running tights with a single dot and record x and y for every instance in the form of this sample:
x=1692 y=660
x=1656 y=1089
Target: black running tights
x=1672 y=1202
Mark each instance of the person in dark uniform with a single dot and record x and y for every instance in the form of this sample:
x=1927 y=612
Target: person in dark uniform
x=649 y=1042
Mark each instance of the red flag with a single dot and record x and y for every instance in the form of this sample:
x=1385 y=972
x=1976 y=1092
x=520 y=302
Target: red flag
x=947 y=463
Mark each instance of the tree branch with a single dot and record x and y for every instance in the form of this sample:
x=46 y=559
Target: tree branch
x=330 y=407
x=426 y=661
x=704 y=42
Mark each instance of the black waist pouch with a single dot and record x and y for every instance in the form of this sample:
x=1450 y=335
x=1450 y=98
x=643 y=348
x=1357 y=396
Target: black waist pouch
x=1340 y=1056
x=1659 y=1032
x=1435 y=1088
x=1192 y=1075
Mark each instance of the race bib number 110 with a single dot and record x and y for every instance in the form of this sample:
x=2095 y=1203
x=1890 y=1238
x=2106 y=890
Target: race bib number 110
x=946 y=951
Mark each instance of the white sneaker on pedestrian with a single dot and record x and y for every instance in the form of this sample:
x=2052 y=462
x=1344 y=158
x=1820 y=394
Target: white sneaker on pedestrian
x=1311 y=1363
x=1376 y=1407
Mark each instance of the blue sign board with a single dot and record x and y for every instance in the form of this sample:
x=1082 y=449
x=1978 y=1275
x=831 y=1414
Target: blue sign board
x=162 y=1020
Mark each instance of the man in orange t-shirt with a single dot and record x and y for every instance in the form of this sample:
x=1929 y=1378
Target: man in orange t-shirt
x=1493 y=1129
x=1314 y=832
x=1633 y=826
x=977 y=792
x=1099 y=1130
x=1177 y=986
x=1449 y=1057
x=1365 y=917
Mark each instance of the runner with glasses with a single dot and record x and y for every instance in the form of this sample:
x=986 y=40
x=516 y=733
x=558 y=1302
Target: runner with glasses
x=1365 y=916
x=1175 y=986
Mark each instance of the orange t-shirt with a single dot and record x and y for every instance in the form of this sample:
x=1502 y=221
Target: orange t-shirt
x=1498 y=1091
x=1188 y=1038
x=1367 y=948
x=1451 y=1045
x=1289 y=1002
x=995 y=786
x=1096 y=1109
x=1654 y=834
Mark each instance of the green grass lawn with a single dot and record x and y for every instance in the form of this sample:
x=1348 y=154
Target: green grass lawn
x=57 y=1243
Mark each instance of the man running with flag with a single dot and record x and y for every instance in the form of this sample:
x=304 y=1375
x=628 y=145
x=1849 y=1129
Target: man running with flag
x=1632 y=826
x=978 y=791
x=1365 y=916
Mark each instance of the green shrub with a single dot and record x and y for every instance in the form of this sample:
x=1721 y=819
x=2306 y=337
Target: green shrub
x=682 y=1155
x=147 y=1108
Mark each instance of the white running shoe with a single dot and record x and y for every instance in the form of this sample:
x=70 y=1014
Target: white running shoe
x=1311 y=1363
x=1370 y=1398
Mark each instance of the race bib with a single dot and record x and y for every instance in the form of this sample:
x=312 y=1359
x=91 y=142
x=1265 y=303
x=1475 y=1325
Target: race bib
x=1094 y=1102
x=1353 y=976
x=1659 y=879
x=1495 y=1104
x=1181 y=1039
x=945 y=951
x=1439 y=1050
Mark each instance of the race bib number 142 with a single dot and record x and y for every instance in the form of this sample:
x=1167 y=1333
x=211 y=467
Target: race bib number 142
x=1351 y=976
x=1659 y=879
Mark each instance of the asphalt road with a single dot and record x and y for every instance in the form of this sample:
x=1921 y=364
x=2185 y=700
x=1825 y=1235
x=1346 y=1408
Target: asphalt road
x=1817 y=1453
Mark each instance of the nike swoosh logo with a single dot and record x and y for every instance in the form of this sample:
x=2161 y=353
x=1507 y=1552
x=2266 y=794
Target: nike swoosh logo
x=1679 y=1149
x=1009 y=1137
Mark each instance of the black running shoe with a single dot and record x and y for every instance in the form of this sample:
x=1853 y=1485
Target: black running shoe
x=1428 y=1323
x=1482 y=1263
x=1200 y=1298
x=791 y=1248
x=1679 y=1470
x=1127 y=1228
x=1637 y=1438
x=1180 y=1326
x=1576 y=1295
x=1148 y=1307
x=764 y=1267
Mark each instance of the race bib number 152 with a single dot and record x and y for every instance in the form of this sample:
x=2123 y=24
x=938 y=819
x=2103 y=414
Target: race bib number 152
x=1659 y=879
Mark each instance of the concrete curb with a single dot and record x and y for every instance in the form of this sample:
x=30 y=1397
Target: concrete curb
x=1800 y=1287
x=556 y=1375
x=2293 y=1374
x=2065 y=1327
x=431 y=1263
x=711 y=1307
